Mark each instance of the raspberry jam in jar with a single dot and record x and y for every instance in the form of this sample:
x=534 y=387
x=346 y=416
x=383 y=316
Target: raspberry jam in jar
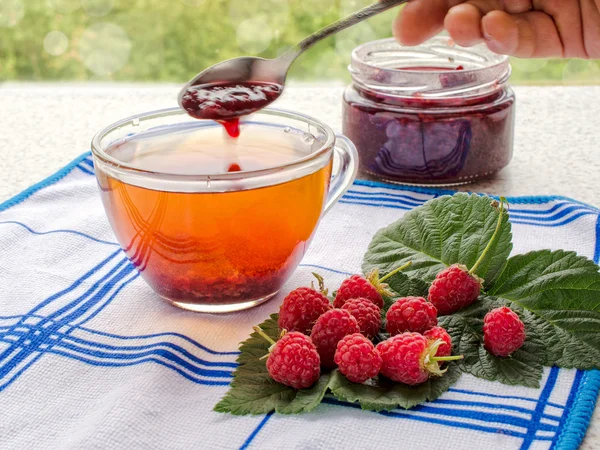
x=434 y=114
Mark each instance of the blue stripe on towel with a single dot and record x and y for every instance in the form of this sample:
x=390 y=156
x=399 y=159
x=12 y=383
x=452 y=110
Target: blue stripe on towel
x=443 y=420
x=539 y=410
x=597 y=246
x=89 y=162
x=506 y=419
x=568 y=406
x=581 y=413
x=148 y=336
x=94 y=293
x=383 y=196
x=515 y=220
x=42 y=233
x=122 y=352
x=52 y=179
x=76 y=283
x=549 y=217
x=128 y=338
x=435 y=192
x=443 y=401
x=508 y=397
x=328 y=269
x=135 y=363
x=103 y=357
x=259 y=427
x=100 y=300
x=85 y=170
x=126 y=348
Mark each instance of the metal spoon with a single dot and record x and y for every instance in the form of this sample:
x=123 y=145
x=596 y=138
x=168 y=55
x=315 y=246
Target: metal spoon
x=253 y=69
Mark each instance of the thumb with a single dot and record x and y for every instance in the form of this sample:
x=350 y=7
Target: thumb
x=532 y=34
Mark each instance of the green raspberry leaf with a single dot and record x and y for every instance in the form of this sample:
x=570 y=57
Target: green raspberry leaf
x=381 y=394
x=444 y=231
x=557 y=294
x=256 y=346
x=524 y=367
x=404 y=286
x=253 y=391
x=308 y=399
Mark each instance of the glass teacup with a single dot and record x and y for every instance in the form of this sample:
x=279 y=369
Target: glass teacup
x=210 y=240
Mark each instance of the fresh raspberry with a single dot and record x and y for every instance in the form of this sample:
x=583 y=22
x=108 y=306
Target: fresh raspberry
x=330 y=328
x=357 y=287
x=436 y=333
x=409 y=358
x=411 y=314
x=503 y=331
x=301 y=309
x=454 y=288
x=366 y=313
x=294 y=361
x=357 y=358
x=370 y=287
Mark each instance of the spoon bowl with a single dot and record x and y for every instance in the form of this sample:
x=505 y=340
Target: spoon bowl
x=244 y=69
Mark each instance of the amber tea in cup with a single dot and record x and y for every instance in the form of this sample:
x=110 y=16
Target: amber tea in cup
x=212 y=223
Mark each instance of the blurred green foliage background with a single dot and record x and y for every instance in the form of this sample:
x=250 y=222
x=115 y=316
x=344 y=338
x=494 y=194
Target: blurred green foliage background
x=171 y=40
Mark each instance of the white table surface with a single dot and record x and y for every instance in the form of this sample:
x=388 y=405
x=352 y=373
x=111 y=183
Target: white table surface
x=557 y=142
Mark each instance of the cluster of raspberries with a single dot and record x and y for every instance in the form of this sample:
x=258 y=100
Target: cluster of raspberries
x=318 y=334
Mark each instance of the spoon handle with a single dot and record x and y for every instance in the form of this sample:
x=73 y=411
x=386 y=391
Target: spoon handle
x=342 y=24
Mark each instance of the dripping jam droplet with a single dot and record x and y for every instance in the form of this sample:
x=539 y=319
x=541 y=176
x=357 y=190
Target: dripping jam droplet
x=232 y=126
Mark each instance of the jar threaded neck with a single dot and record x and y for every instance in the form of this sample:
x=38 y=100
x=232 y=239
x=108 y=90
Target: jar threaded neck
x=428 y=70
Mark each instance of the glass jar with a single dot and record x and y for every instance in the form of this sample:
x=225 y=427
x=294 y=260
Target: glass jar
x=434 y=114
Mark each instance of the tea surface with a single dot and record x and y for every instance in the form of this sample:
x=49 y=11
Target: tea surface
x=210 y=151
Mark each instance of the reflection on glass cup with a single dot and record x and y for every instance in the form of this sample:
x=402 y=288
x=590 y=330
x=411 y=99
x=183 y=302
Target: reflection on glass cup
x=210 y=240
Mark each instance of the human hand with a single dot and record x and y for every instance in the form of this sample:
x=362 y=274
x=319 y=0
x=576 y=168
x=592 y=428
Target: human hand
x=522 y=28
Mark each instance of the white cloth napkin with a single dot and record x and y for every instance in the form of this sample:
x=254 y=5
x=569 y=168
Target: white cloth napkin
x=91 y=358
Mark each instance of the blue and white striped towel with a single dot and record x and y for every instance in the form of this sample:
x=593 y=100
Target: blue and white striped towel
x=91 y=358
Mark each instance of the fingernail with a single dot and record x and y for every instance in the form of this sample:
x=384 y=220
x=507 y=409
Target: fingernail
x=493 y=44
x=487 y=36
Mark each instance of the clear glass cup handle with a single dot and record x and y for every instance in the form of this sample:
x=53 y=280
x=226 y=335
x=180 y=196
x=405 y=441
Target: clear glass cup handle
x=347 y=156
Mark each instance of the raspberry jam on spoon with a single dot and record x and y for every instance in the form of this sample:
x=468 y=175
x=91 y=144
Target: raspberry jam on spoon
x=226 y=102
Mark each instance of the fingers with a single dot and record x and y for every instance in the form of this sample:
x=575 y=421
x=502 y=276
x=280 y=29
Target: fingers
x=567 y=18
x=523 y=28
x=517 y=6
x=590 y=13
x=463 y=23
x=528 y=35
x=422 y=19
x=419 y=20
